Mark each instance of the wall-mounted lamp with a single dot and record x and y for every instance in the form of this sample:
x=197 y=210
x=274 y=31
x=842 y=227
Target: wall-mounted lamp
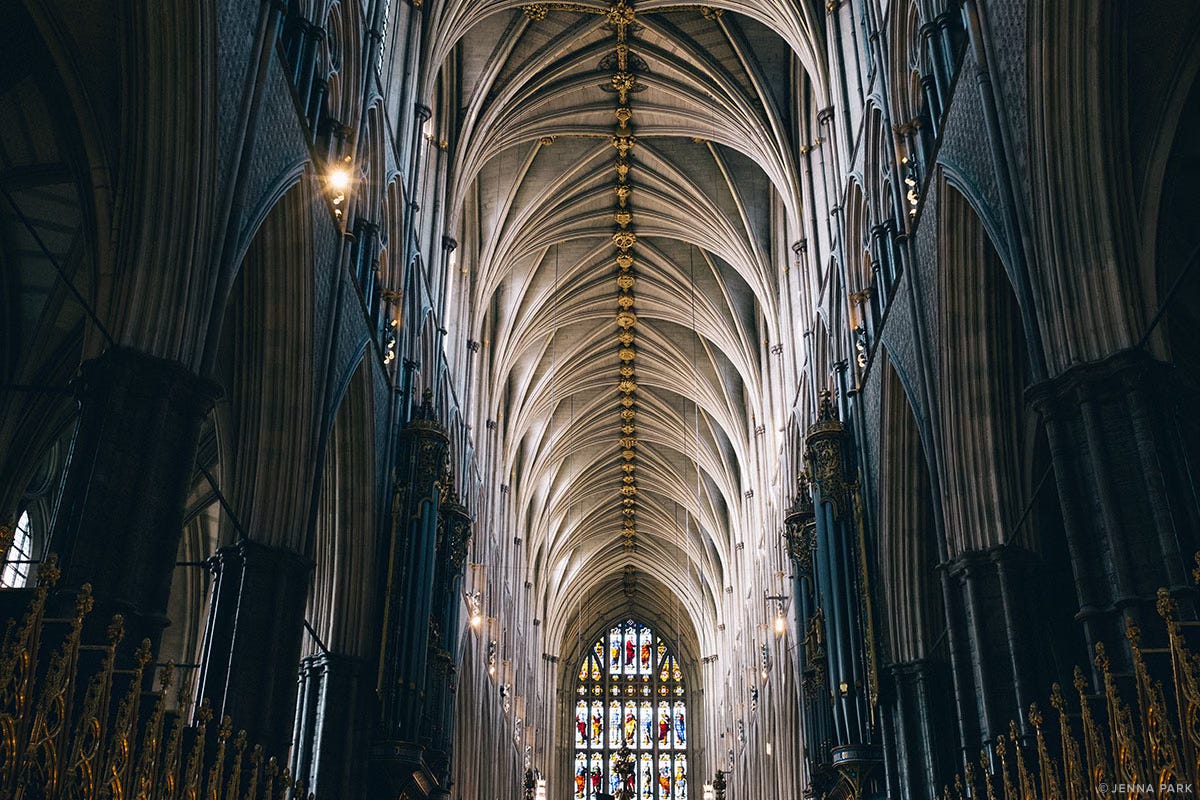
x=338 y=181
x=780 y=622
x=475 y=604
x=860 y=345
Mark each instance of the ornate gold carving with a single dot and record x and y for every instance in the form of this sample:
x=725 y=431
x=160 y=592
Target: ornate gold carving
x=623 y=66
x=63 y=738
x=624 y=144
x=624 y=239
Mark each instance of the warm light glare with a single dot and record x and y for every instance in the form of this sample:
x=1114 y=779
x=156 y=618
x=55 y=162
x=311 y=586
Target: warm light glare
x=338 y=179
x=780 y=625
x=476 y=620
x=541 y=790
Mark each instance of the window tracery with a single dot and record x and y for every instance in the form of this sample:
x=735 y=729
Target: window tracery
x=630 y=691
x=16 y=560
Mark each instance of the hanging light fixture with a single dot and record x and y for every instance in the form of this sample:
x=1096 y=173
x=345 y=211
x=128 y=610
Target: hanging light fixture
x=475 y=603
x=780 y=621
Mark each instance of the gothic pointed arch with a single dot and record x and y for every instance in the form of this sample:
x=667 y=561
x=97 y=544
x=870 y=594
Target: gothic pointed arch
x=630 y=692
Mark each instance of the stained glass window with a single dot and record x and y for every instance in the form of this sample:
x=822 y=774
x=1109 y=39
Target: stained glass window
x=630 y=690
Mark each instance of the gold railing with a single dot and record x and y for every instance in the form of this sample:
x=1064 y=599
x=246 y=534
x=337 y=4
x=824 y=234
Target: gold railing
x=1132 y=738
x=62 y=739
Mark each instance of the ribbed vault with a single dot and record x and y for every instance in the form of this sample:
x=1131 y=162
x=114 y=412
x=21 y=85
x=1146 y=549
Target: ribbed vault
x=604 y=428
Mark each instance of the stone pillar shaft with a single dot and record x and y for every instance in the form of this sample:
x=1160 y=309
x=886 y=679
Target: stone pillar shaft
x=252 y=645
x=130 y=468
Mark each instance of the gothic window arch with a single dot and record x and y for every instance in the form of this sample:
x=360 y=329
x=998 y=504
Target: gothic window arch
x=630 y=690
x=19 y=555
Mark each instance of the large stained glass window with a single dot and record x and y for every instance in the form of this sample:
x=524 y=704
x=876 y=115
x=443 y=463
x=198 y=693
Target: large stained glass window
x=630 y=691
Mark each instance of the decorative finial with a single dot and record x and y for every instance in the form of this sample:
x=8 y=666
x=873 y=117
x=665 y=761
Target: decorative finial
x=827 y=412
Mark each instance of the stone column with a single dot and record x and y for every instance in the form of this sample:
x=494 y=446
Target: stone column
x=252 y=644
x=328 y=751
x=1123 y=480
x=125 y=487
x=919 y=715
x=994 y=594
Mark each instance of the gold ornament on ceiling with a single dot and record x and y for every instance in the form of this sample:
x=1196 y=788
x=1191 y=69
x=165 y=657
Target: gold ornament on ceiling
x=622 y=16
x=624 y=66
x=624 y=144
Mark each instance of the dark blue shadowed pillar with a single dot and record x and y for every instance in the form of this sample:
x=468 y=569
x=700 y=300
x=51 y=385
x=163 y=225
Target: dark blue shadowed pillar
x=398 y=756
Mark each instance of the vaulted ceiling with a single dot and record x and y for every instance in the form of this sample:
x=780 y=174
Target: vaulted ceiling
x=624 y=182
